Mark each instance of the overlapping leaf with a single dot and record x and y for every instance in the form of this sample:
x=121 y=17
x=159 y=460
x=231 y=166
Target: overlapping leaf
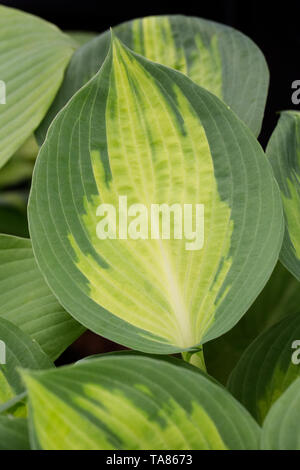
x=145 y=131
x=279 y=298
x=214 y=56
x=281 y=430
x=284 y=154
x=134 y=402
x=268 y=366
x=26 y=300
x=33 y=56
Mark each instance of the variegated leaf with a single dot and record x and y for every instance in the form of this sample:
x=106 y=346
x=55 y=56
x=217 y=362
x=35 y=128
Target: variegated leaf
x=215 y=56
x=129 y=402
x=284 y=154
x=146 y=132
x=267 y=367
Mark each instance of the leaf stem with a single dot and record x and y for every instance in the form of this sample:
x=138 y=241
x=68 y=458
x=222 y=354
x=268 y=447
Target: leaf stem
x=195 y=358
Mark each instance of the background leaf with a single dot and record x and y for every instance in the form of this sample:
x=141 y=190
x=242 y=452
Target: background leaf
x=281 y=430
x=20 y=166
x=26 y=300
x=284 y=154
x=81 y=37
x=146 y=131
x=215 y=56
x=33 y=56
x=279 y=298
x=13 y=433
x=13 y=213
x=87 y=406
x=265 y=370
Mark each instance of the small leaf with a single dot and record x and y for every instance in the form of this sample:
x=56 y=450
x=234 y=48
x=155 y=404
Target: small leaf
x=266 y=369
x=33 y=56
x=284 y=154
x=281 y=430
x=147 y=132
x=123 y=401
x=213 y=55
x=27 y=302
x=279 y=298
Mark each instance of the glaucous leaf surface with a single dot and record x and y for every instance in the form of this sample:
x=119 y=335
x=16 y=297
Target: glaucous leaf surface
x=33 y=57
x=145 y=131
x=284 y=154
x=267 y=367
x=214 y=56
x=27 y=302
x=281 y=429
x=279 y=298
x=134 y=403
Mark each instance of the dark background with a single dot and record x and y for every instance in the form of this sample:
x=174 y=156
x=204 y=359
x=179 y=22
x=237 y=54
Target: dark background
x=275 y=27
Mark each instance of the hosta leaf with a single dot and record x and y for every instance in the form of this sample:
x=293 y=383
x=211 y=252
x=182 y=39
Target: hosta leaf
x=20 y=351
x=281 y=430
x=214 y=56
x=266 y=368
x=284 y=154
x=33 y=56
x=279 y=298
x=13 y=433
x=26 y=300
x=134 y=402
x=145 y=131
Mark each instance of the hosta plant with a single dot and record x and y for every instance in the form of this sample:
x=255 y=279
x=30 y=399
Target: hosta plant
x=156 y=221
